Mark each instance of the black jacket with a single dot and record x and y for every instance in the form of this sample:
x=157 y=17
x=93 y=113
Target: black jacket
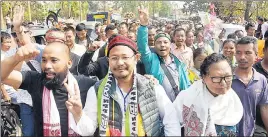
x=75 y=60
x=102 y=51
x=260 y=125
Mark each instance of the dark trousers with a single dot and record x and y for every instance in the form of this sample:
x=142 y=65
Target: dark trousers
x=27 y=121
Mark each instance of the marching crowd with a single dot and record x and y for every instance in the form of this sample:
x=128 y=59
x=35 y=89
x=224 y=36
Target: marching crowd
x=136 y=80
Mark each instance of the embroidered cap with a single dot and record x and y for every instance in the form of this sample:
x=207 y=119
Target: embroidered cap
x=121 y=40
x=162 y=35
x=53 y=36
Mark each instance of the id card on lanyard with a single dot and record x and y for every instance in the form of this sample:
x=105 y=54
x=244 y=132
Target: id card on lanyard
x=125 y=98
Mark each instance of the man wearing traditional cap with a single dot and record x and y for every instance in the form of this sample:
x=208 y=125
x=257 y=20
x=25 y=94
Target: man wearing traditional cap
x=125 y=103
x=100 y=67
x=163 y=65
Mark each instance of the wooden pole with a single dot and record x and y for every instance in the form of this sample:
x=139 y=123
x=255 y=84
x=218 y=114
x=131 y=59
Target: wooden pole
x=80 y=7
x=2 y=18
x=104 y=5
x=29 y=11
x=69 y=9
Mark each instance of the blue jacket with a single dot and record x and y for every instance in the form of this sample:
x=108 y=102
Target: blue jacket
x=152 y=61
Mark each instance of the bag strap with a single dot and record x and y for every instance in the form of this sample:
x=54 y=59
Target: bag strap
x=31 y=66
x=170 y=78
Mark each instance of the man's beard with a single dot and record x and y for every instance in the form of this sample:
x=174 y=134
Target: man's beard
x=121 y=76
x=56 y=82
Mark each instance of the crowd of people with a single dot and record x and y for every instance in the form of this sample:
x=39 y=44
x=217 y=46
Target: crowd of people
x=136 y=80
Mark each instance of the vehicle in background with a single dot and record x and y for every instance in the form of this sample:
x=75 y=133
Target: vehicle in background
x=37 y=33
x=103 y=16
x=231 y=28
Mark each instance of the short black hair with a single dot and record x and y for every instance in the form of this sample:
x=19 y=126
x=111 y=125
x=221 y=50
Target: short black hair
x=69 y=28
x=249 y=25
x=123 y=23
x=80 y=27
x=260 y=19
x=199 y=51
x=97 y=25
x=210 y=60
x=232 y=36
x=248 y=40
x=132 y=23
x=177 y=26
x=238 y=31
x=151 y=27
x=266 y=44
x=5 y=35
x=227 y=41
x=266 y=34
x=188 y=31
x=109 y=27
x=177 y=30
x=112 y=37
x=199 y=31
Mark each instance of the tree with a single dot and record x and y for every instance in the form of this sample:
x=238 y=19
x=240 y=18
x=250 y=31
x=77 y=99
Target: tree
x=38 y=7
x=259 y=9
x=190 y=7
x=93 y=6
x=247 y=10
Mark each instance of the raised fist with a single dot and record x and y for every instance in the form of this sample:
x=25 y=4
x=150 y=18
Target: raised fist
x=94 y=46
x=25 y=53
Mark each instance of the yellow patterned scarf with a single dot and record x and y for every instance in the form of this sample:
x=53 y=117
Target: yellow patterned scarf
x=133 y=120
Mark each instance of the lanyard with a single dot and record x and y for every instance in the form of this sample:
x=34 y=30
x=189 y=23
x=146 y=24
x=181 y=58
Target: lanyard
x=125 y=97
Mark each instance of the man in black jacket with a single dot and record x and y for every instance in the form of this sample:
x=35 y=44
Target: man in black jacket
x=82 y=35
x=55 y=63
x=109 y=31
x=261 y=67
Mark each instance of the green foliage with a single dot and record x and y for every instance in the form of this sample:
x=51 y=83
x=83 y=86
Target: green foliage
x=190 y=7
x=259 y=9
x=163 y=8
x=246 y=9
x=39 y=9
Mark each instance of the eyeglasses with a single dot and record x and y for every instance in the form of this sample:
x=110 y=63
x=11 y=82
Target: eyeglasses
x=116 y=58
x=219 y=79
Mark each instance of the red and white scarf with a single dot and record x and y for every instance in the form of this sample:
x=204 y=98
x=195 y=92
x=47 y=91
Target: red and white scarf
x=51 y=117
